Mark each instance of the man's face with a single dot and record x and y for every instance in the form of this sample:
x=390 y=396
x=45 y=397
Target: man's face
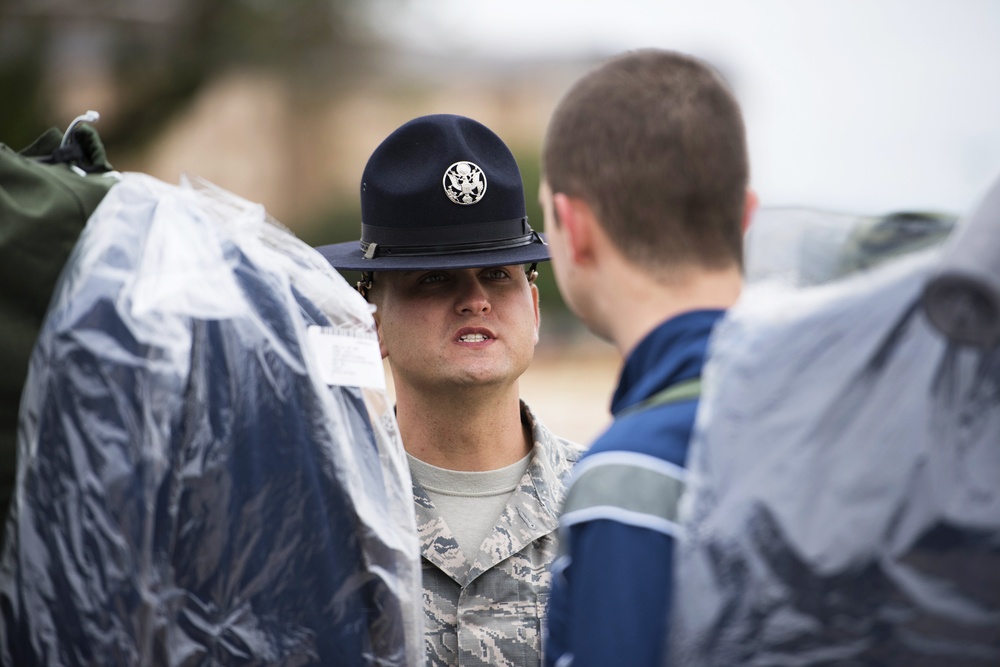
x=456 y=327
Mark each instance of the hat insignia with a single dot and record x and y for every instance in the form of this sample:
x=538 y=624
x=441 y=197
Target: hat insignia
x=464 y=183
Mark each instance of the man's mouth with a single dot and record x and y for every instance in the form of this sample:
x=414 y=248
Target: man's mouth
x=473 y=338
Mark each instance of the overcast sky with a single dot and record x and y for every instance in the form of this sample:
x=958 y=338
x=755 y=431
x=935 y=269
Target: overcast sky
x=863 y=106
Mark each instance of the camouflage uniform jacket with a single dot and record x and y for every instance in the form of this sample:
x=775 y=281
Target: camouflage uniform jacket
x=501 y=596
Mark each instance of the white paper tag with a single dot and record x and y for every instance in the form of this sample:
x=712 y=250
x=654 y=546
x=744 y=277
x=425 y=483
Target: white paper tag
x=347 y=360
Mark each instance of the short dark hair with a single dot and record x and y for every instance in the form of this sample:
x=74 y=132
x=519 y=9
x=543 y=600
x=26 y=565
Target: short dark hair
x=654 y=142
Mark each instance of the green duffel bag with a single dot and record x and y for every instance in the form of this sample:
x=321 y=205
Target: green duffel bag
x=47 y=193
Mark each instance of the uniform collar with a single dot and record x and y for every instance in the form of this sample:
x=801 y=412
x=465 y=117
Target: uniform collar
x=532 y=512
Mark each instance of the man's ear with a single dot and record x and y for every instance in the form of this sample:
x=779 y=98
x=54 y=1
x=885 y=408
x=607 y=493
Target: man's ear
x=576 y=219
x=749 y=208
x=378 y=329
x=538 y=312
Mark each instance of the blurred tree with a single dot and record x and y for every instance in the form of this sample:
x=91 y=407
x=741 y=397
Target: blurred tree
x=557 y=317
x=154 y=55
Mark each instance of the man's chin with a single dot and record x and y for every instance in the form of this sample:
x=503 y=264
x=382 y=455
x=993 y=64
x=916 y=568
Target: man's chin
x=487 y=379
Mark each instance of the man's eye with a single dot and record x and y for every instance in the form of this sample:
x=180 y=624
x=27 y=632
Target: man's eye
x=496 y=274
x=432 y=278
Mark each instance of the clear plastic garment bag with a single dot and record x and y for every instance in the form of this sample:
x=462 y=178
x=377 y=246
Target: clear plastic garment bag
x=844 y=499
x=208 y=466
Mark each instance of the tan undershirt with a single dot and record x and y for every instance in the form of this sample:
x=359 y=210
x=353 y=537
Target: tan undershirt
x=469 y=502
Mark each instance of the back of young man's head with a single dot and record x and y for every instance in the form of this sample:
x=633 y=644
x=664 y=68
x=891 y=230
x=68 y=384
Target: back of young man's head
x=654 y=142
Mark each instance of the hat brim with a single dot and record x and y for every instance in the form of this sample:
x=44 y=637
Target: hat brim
x=348 y=257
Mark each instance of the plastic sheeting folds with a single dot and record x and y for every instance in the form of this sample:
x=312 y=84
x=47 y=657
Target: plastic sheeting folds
x=208 y=467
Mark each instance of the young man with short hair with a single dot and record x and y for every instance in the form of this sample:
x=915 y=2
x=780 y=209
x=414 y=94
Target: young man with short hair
x=645 y=175
x=448 y=259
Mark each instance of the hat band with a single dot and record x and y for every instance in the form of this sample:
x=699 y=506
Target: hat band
x=379 y=241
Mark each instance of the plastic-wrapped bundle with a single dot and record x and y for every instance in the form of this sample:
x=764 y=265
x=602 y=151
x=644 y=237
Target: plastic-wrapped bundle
x=803 y=247
x=962 y=298
x=844 y=499
x=208 y=467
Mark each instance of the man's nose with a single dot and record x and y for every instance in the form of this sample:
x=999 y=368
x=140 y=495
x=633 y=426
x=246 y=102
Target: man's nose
x=472 y=297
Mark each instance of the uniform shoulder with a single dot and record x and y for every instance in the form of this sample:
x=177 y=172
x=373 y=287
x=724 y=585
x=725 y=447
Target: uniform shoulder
x=663 y=432
x=572 y=451
x=558 y=447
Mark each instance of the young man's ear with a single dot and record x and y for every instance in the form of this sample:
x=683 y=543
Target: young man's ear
x=749 y=208
x=377 y=316
x=576 y=220
x=383 y=350
x=538 y=310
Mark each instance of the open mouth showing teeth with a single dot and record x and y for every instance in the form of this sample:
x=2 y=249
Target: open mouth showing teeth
x=473 y=338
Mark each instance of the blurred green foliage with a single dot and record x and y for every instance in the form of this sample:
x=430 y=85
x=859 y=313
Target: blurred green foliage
x=22 y=58
x=159 y=53
x=557 y=316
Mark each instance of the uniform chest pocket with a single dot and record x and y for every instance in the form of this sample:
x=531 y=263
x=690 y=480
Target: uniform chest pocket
x=509 y=632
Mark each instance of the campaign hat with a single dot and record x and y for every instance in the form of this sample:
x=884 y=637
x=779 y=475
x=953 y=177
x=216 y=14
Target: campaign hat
x=442 y=191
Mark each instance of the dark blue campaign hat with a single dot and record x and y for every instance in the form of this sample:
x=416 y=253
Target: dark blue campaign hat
x=442 y=191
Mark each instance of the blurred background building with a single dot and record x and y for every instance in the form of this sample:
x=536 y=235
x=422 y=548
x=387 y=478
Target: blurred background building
x=862 y=107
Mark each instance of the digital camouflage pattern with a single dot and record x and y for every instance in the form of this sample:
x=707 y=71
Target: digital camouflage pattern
x=502 y=595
